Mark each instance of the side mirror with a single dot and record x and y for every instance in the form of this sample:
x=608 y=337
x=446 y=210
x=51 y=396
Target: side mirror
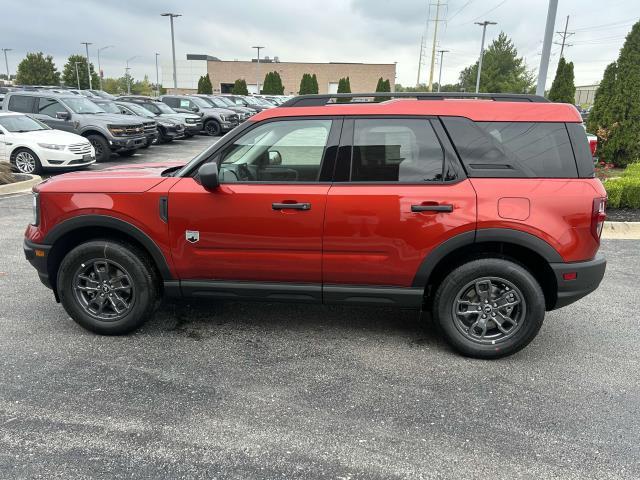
x=63 y=115
x=195 y=109
x=275 y=158
x=208 y=174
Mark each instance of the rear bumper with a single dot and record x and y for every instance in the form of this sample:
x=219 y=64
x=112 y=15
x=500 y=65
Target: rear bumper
x=37 y=255
x=588 y=276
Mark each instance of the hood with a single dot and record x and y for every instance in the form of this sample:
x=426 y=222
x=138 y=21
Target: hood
x=57 y=137
x=220 y=111
x=115 y=118
x=179 y=117
x=135 y=178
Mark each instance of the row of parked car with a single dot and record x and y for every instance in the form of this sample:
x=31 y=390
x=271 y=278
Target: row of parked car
x=42 y=129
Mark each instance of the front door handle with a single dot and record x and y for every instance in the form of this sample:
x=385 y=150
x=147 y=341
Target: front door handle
x=291 y=206
x=432 y=208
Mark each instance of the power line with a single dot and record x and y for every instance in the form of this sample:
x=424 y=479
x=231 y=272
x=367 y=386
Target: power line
x=484 y=14
x=564 y=35
x=459 y=10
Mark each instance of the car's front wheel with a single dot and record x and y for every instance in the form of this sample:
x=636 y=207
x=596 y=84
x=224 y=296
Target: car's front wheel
x=101 y=146
x=489 y=308
x=212 y=128
x=108 y=287
x=25 y=161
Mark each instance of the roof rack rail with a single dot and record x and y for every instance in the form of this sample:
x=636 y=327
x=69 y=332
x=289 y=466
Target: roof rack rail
x=323 y=99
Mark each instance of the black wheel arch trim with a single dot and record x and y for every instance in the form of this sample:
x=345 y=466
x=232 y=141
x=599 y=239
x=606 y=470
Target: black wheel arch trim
x=105 y=221
x=506 y=235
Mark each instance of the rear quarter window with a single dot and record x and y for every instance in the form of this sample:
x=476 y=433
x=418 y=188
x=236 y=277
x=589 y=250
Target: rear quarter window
x=22 y=103
x=513 y=149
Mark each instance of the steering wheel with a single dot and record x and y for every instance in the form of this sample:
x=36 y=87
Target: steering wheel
x=244 y=172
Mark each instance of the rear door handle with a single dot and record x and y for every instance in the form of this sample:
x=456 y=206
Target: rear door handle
x=291 y=206
x=432 y=208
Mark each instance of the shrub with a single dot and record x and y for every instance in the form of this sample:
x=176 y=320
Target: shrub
x=614 y=192
x=5 y=174
x=624 y=192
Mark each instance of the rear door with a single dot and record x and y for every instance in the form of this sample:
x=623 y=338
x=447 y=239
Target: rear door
x=398 y=193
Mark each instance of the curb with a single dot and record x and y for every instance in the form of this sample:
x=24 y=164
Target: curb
x=24 y=185
x=621 y=230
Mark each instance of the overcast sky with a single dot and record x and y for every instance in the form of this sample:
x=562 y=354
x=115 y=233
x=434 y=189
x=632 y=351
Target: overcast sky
x=375 y=31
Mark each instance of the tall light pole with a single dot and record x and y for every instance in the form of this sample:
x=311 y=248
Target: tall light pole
x=484 y=31
x=546 y=47
x=127 y=74
x=6 y=62
x=433 y=47
x=258 y=69
x=441 y=52
x=78 y=74
x=86 y=46
x=99 y=67
x=173 y=45
x=157 y=78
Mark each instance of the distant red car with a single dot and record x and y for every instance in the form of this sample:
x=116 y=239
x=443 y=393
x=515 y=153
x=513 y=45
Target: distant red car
x=484 y=211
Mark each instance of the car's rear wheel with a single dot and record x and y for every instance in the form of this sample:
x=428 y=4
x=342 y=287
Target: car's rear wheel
x=489 y=308
x=212 y=128
x=108 y=287
x=101 y=146
x=25 y=161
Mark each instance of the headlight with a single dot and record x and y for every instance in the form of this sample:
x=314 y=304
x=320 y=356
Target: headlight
x=223 y=118
x=36 y=209
x=191 y=120
x=51 y=146
x=166 y=124
x=117 y=130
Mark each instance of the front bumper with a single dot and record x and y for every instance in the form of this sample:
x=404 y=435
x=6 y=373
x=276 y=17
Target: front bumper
x=588 y=276
x=193 y=128
x=118 y=144
x=226 y=126
x=38 y=255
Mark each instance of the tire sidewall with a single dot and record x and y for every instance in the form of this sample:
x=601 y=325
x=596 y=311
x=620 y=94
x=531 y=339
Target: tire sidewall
x=141 y=275
x=516 y=274
x=106 y=150
x=37 y=169
x=212 y=127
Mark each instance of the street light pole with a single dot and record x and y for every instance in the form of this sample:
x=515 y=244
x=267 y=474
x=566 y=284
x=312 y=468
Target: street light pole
x=99 y=67
x=157 y=78
x=258 y=69
x=128 y=77
x=441 y=52
x=173 y=45
x=484 y=31
x=78 y=74
x=86 y=46
x=6 y=62
x=546 y=47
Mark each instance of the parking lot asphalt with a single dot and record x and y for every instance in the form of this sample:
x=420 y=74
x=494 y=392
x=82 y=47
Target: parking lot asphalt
x=265 y=391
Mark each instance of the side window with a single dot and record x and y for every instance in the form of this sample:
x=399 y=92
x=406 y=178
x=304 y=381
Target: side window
x=280 y=151
x=172 y=102
x=49 y=106
x=22 y=103
x=396 y=150
x=185 y=103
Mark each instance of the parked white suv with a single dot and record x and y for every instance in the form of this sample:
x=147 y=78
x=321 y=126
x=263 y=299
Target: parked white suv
x=31 y=146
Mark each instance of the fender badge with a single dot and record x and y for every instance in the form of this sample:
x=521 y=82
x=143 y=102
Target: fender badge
x=192 y=236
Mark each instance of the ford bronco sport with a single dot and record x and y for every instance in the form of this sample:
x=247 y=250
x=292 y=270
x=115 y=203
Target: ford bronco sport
x=482 y=209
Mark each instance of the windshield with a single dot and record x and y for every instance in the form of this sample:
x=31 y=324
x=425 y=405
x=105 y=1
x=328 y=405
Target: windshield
x=21 y=123
x=251 y=101
x=109 y=107
x=82 y=105
x=219 y=103
x=226 y=101
x=163 y=107
x=201 y=102
x=138 y=110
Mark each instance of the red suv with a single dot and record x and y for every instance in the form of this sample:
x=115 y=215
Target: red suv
x=483 y=210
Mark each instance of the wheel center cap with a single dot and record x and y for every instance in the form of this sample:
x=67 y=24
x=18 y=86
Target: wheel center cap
x=488 y=309
x=105 y=288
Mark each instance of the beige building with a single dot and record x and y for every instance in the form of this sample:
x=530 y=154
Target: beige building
x=363 y=77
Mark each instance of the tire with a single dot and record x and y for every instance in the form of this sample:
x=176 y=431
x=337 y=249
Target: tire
x=163 y=138
x=212 y=127
x=126 y=153
x=500 y=289
x=101 y=146
x=134 y=286
x=26 y=161
x=188 y=135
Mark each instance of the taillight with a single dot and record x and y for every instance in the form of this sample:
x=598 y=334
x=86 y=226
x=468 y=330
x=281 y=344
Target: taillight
x=593 y=144
x=598 y=217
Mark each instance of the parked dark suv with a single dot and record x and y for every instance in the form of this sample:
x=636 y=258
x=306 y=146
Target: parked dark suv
x=481 y=209
x=215 y=120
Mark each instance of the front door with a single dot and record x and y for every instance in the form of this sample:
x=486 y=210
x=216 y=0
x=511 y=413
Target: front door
x=400 y=196
x=47 y=110
x=264 y=223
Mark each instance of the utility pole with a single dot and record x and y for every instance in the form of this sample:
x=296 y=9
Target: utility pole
x=77 y=74
x=433 y=47
x=258 y=69
x=99 y=67
x=484 y=31
x=564 y=36
x=546 y=47
x=420 y=61
x=6 y=62
x=173 y=46
x=86 y=46
x=157 y=78
x=441 y=52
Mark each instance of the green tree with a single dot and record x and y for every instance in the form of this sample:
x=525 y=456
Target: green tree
x=272 y=84
x=204 y=85
x=621 y=138
x=305 y=86
x=240 y=87
x=563 y=89
x=502 y=70
x=36 y=69
x=600 y=116
x=314 y=84
x=344 y=86
x=111 y=85
x=382 y=86
x=70 y=78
